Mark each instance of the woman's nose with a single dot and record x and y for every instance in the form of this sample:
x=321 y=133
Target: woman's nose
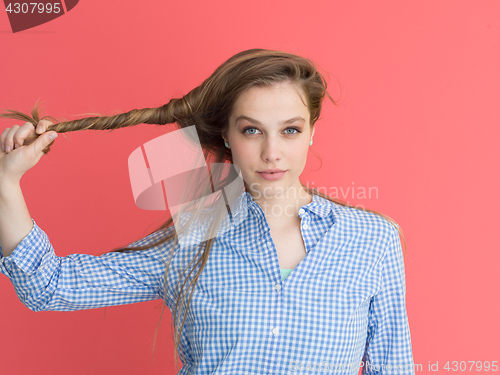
x=271 y=149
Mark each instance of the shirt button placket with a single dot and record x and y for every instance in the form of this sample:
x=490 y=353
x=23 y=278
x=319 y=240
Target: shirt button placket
x=277 y=286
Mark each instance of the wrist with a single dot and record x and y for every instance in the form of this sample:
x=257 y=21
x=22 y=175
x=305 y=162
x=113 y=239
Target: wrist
x=7 y=183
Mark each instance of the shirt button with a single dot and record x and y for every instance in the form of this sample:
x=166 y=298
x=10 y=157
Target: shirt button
x=277 y=287
x=275 y=331
x=301 y=211
x=305 y=226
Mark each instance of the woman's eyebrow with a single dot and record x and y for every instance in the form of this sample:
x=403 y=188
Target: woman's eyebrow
x=253 y=121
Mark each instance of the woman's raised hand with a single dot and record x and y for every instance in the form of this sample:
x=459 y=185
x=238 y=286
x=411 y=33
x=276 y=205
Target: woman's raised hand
x=15 y=157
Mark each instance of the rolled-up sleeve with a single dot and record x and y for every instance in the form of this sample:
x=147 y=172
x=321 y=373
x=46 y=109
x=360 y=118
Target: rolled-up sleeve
x=388 y=348
x=44 y=281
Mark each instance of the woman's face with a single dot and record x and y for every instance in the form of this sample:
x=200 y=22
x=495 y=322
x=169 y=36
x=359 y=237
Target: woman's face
x=269 y=128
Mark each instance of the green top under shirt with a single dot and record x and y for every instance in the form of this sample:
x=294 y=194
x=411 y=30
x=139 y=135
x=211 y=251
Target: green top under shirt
x=285 y=272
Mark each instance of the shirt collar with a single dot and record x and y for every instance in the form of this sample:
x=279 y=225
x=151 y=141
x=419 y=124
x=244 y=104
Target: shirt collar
x=319 y=205
x=243 y=208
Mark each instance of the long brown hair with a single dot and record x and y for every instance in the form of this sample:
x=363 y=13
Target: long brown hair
x=209 y=107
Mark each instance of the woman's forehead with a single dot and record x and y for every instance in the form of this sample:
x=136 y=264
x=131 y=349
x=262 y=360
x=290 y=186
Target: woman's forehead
x=282 y=103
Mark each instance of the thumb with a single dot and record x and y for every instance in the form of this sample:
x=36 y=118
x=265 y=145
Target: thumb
x=44 y=141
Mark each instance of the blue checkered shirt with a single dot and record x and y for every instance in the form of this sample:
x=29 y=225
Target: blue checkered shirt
x=343 y=303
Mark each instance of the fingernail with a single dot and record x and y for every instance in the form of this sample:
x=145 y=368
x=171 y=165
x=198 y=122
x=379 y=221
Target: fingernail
x=16 y=145
x=53 y=136
x=7 y=149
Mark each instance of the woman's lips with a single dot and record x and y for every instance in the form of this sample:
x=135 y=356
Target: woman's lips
x=271 y=176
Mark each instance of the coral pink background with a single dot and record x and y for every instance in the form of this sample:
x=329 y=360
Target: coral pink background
x=418 y=121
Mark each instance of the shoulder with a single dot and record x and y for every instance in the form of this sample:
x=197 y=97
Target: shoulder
x=364 y=223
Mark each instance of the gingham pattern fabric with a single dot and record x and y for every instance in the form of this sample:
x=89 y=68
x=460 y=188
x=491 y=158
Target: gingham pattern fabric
x=344 y=301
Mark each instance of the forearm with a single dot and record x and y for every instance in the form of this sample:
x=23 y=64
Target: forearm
x=15 y=219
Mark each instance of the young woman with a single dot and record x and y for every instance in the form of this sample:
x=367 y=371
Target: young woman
x=299 y=282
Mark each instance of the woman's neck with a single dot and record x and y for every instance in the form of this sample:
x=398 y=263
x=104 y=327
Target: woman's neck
x=281 y=211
